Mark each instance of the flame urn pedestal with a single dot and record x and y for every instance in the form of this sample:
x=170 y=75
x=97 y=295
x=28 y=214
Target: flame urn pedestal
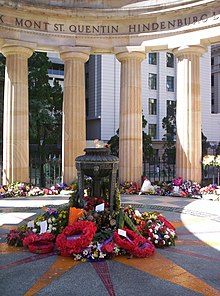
x=97 y=163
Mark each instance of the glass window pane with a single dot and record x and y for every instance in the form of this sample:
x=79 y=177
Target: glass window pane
x=152 y=81
x=152 y=58
x=171 y=105
x=170 y=83
x=152 y=130
x=170 y=60
x=152 y=105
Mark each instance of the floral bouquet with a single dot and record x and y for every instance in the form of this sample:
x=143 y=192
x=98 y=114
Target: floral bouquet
x=129 y=188
x=189 y=188
x=208 y=160
x=16 y=237
x=153 y=226
x=210 y=189
x=92 y=202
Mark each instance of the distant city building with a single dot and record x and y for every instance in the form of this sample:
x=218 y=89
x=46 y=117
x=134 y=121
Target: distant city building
x=102 y=79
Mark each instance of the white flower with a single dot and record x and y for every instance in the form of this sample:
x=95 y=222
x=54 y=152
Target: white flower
x=34 y=230
x=38 y=223
x=156 y=236
x=53 y=219
x=149 y=238
x=156 y=241
x=166 y=236
x=150 y=230
x=85 y=252
x=77 y=257
x=54 y=229
x=49 y=230
x=137 y=213
x=102 y=255
x=116 y=250
x=169 y=243
x=49 y=220
x=50 y=226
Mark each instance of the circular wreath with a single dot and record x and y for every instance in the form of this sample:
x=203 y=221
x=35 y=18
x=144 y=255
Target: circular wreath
x=75 y=237
x=40 y=244
x=135 y=244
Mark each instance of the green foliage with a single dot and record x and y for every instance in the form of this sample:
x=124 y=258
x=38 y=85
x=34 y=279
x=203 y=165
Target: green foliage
x=114 y=144
x=117 y=198
x=2 y=67
x=45 y=102
x=123 y=220
x=206 y=145
x=148 y=150
x=169 y=124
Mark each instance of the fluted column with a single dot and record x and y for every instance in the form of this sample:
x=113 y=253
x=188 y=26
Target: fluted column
x=188 y=114
x=130 y=126
x=74 y=114
x=16 y=115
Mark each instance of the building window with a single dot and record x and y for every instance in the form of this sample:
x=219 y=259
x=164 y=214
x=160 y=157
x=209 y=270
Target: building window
x=152 y=58
x=170 y=83
x=212 y=80
x=152 y=81
x=56 y=69
x=212 y=103
x=170 y=60
x=171 y=107
x=152 y=106
x=212 y=61
x=152 y=130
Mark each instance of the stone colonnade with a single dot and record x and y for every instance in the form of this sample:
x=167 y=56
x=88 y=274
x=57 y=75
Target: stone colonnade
x=16 y=115
x=16 y=137
x=188 y=114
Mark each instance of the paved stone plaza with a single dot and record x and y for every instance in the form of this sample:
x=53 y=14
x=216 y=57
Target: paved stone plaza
x=189 y=268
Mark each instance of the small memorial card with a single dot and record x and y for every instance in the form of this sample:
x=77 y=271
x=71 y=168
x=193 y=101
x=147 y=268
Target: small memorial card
x=122 y=232
x=30 y=224
x=100 y=208
x=43 y=226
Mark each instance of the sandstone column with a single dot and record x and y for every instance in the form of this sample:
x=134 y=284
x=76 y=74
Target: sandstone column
x=188 y=114
x=130 y=126
x=74 y=114
x=16 y=115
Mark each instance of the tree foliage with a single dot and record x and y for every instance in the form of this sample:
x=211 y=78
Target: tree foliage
x=45 y=102
x=169 y=125
x=148 y=150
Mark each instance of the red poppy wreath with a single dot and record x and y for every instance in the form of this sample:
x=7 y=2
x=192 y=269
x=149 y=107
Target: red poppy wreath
x=135 y=244
x=40 y=244
x=75 y=237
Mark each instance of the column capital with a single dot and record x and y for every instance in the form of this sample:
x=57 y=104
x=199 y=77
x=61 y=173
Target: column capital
x=9 y=50
x=124 y=53
x=17 y=47
x=197 y=50
x=70 y=52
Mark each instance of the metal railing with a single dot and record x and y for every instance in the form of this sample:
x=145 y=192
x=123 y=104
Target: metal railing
x=155 y=171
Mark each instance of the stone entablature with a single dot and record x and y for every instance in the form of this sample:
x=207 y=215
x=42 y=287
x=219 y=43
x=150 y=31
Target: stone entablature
x=151 y=24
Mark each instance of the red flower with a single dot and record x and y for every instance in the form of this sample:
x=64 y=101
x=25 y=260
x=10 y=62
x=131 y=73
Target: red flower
x=135 y=244
x=42 y=243
x=75 y=237
x=108 y=248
